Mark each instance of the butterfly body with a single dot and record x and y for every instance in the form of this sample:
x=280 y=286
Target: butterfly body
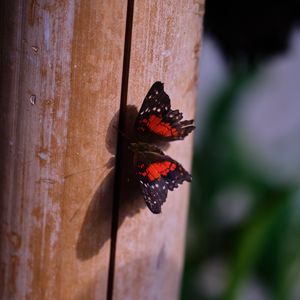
x=156 y=172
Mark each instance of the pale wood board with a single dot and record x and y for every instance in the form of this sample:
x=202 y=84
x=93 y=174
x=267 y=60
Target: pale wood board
x=60 y=92
x=165 y=47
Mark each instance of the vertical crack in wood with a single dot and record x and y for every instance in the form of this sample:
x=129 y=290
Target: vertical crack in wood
x=118 y=173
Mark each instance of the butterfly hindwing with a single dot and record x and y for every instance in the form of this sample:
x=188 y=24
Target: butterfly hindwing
x=154 y=193
x=158 y=119
x=158 y=173
x=177 y=176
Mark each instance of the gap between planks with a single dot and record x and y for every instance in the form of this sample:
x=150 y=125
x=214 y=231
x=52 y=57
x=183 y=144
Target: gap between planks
x=118 y=173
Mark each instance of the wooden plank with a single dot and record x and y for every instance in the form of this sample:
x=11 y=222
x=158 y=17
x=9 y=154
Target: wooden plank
x=165 y=47
x=61 y=73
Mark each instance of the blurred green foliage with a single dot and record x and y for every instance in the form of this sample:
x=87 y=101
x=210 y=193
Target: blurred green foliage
x=264 y=243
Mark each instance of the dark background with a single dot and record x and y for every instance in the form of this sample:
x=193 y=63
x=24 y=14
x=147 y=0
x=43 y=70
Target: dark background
x=243 y=238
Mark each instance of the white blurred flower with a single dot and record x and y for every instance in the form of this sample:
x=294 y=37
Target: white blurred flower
x=232 y=205
x=212 y=277
x=213 y=75
x=267 y=119
x=253 y=289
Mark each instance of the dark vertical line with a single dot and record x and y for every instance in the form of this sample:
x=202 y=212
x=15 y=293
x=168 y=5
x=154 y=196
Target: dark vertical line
x=118 y=173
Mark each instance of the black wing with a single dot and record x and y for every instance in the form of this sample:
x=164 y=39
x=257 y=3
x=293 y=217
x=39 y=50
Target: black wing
x=158 y=119
x=157 y=174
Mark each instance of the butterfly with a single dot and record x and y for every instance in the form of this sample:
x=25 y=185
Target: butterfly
x=156 y=172
x=156 y=119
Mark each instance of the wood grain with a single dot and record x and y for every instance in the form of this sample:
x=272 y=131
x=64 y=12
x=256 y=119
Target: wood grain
x=165 y=47
x=61 y=70
x=61 y=78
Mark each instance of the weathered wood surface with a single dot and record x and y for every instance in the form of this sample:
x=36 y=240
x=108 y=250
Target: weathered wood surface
x=61 y=71
x=61 y=76
x=165 y=47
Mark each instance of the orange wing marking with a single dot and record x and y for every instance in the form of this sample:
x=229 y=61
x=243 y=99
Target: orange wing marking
x=156 y=125
x=156 y=170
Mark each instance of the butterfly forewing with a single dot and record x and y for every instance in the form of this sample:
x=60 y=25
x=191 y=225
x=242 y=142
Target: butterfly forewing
x=156 y=102
x=158 y=119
